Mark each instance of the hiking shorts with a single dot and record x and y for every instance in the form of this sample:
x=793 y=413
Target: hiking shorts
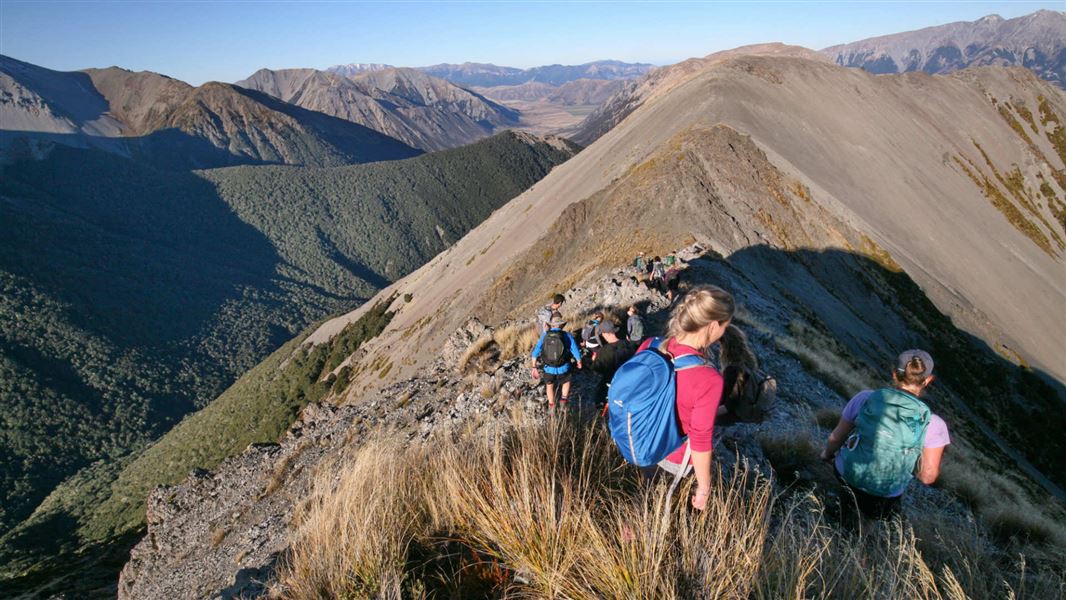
x=873 y=507
x=561 y=378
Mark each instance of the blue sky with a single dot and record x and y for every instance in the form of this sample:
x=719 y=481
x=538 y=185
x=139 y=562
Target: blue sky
x=198 y=41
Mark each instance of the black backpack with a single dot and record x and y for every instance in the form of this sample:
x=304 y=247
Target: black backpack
x=553 y=351
x=751 y=395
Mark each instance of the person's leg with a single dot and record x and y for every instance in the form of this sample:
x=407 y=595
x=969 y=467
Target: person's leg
x=549 y=389
x=566 y=390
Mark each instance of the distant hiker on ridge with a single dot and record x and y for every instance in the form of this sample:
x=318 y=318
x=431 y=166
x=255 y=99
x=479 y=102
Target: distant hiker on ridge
x=887 y=437
x=639 y=264
x=544 y=315
x=554 y=350
x=658 y=275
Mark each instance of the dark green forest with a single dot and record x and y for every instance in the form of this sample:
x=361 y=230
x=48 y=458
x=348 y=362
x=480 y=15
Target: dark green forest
x=132 y=296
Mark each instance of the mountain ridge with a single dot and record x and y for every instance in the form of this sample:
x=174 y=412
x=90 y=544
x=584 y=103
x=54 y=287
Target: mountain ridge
x=151 y=117
x=423 y=111
x=1035 y=41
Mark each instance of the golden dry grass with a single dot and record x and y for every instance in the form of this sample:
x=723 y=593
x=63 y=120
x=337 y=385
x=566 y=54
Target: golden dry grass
x=548 y=511
x=516 y=339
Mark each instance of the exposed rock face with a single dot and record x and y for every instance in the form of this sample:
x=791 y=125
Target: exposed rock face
x=423 y=111
x=1036 y=42
x=172 y=124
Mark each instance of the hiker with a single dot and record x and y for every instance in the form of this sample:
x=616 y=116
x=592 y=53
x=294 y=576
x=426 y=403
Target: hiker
x=638 y=263
x=590 y=338
x=611 y=354
x=887 y=437
x=747 y=392
x=634 y=325
x=658 y=275
x=698 y=320
x=554 y=350
x=672 y=281
x=544 y=315
x=670 y=260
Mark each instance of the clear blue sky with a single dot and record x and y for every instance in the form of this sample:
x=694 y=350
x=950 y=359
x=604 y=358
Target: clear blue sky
x=199 y=41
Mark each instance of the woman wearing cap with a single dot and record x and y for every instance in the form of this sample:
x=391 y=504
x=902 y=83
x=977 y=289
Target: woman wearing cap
x=887 y=437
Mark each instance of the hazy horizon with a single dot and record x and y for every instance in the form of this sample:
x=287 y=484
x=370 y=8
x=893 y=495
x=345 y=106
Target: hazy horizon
x=198 y=41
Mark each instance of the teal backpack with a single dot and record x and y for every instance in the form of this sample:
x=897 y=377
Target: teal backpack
x=881 y=453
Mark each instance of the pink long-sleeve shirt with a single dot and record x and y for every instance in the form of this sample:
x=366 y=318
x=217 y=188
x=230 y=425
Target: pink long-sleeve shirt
x=699 y=391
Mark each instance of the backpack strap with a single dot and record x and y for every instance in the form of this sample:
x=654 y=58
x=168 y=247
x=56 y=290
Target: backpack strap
x=685 y=361
x=689 y=361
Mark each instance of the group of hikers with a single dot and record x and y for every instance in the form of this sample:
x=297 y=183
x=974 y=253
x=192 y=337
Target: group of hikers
x=664 y=398
x=662 y=274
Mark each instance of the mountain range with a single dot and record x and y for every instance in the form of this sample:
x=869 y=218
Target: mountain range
x=1036 y=41
x=168 y=123
x=423 y=111
x=488 y=75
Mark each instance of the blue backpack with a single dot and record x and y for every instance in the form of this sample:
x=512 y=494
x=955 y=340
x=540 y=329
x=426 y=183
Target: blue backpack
x=643 y=404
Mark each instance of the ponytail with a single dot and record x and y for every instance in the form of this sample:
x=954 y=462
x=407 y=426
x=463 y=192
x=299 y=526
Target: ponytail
x=913 y=373
x=735 y=351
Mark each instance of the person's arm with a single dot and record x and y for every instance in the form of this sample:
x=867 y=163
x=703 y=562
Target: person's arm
x=701 y=465
x=575 y=351
x=929 y=465
x=836 y=439
x=701 y=432
x=536 y=349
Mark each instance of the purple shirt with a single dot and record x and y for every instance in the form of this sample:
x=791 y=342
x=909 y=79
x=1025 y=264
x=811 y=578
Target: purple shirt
x=936 y=435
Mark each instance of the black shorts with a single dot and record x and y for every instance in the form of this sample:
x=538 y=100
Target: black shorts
x=872 y=507
x=556 y=379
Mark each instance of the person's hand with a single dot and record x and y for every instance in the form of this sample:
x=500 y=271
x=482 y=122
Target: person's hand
x=534 y=373
x=699 y=499
x=825 y=456
x=579 y=365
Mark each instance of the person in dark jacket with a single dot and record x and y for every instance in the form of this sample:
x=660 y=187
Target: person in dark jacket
x=610 y=355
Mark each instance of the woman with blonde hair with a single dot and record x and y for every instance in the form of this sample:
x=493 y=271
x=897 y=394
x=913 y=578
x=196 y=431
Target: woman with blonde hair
x=698 y=320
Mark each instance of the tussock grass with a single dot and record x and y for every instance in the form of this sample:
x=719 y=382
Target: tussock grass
x=516 y=339
x=548 y=511
x=476 y=353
